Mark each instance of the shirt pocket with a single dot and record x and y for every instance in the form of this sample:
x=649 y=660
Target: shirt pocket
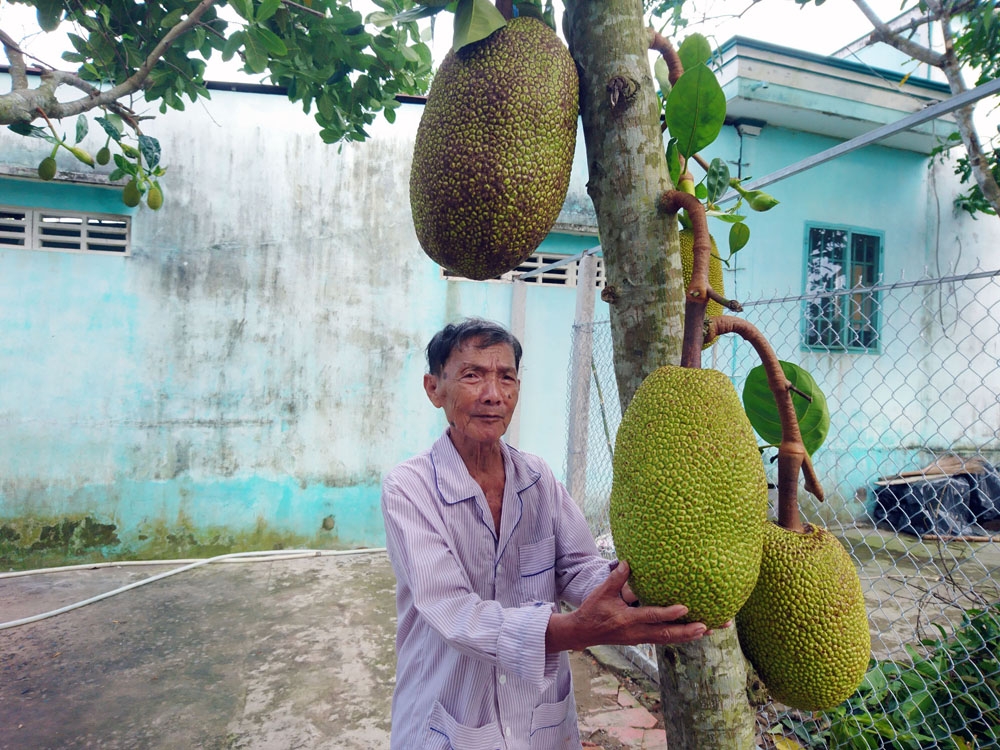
x=550 y=728
x=444 y=732
x=536 y=563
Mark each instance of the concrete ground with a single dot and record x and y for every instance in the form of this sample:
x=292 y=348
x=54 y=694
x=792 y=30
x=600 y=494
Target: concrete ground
x=277 y=654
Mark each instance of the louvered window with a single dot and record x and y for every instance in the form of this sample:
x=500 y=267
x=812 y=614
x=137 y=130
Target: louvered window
x=64 y=231
x=556 y=275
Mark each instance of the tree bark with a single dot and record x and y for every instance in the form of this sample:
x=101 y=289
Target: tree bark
x=703 y=684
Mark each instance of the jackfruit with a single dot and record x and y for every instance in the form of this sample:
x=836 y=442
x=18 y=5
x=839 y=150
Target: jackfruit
x=689 y=495
x=47 y=168
x=494 y=150
x=713 y=308
x=804 y=627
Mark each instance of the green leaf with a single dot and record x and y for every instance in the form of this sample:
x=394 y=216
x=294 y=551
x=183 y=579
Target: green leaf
x=27 y=129
x=267 y=9
x=739 y=236
x=662 y=74
x=150 y=148
x=255 y=53
x=232 y=45
x=673 y=161
x=380 y=19
x=695 y=110
x=694 y=51
x=112 y=125
x=49 y=14
x=82 y=127
x=271 y=41
x=243 y=7
x=814 y=416
x=172 y=18
x=415 y=14
x=717 y=179
x=474 y=21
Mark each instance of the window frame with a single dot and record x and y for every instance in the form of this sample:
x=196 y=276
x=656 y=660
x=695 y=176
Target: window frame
x=563 y=276
x=847 y=303
x=83 y=234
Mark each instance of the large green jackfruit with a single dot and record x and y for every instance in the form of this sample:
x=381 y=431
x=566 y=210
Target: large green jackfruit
x=494 y=150
x=689 y=497
x=804 y=627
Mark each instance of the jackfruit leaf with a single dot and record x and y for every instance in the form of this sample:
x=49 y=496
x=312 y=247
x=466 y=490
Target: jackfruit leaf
x=695 y=110
x=717 y=179
x=726 y=217
x=112 y=125
x=26 y=129
x=694 y=51
x=662 y=74
x=673 y=161
x=82 y=127
x=813 y=416
x=150 y=148
x=415 y=14
x=49 y=14
x=474 y=21
x=739 y=236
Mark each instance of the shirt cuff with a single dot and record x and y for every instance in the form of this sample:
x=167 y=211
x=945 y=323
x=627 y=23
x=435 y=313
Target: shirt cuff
x=521 y=645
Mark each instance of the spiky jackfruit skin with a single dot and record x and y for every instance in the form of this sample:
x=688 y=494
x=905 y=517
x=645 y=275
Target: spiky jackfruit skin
x=494 y=150
x=804 y=627
x=689 y=496
x=712 y=308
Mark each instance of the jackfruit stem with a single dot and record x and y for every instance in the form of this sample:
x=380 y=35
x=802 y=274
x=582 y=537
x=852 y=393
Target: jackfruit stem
x=659 y=43
x=506 y=8
x=699 y=290
x=792 y=455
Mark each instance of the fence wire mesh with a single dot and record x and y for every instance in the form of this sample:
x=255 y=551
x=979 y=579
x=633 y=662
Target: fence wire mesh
x=911 y=469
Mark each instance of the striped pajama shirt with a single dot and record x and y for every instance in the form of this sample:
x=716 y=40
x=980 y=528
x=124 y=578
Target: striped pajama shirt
x=473 y=605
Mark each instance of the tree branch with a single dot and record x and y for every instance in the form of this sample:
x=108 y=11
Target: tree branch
x=659 y=43
x=885 y=33
x=792 y=455
x=18 y=68
x=43 y=97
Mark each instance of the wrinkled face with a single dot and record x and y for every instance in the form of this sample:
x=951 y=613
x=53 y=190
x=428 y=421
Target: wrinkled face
x=478 y=391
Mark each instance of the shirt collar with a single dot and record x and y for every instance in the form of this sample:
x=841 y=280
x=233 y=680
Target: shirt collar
x=454 y=482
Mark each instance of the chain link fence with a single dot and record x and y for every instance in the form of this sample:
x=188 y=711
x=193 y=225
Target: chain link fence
x=911 y=470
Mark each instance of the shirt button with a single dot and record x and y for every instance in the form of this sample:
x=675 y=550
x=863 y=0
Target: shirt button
x=499 y=568
x=503 y=679
x=507 y=731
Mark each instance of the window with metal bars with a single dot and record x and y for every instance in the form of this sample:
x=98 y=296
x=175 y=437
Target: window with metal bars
x=64 y=231
x=564 y=274
x=841 y=313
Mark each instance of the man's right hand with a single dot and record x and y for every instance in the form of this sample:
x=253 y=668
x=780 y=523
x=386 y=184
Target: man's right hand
x=604 y=618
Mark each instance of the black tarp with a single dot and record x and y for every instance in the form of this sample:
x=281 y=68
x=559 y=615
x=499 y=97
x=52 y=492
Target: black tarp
x=963 y=503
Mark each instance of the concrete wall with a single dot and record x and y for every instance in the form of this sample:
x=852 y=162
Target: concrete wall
x=246 y=377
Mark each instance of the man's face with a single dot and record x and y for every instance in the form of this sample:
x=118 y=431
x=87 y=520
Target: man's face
x=478 y=391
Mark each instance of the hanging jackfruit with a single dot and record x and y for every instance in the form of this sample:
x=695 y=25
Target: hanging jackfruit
x=712 y=308
x=494 y=150
x=689 y=496
x=804 y=627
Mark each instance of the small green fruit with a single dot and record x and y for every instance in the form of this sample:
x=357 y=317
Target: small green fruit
x=47 y=169
x=154 y=199
x=104 y=155
x=130 y=195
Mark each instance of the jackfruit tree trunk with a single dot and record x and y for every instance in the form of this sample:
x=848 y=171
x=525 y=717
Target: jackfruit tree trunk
x=703 y=684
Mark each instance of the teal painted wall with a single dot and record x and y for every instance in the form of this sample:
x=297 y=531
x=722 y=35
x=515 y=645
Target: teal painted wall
x=245 y=377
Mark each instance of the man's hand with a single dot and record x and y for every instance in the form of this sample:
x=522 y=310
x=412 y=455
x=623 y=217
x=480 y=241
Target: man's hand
x=605 y=618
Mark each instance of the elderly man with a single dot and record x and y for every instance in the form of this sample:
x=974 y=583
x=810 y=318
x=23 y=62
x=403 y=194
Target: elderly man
x=485 y=543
